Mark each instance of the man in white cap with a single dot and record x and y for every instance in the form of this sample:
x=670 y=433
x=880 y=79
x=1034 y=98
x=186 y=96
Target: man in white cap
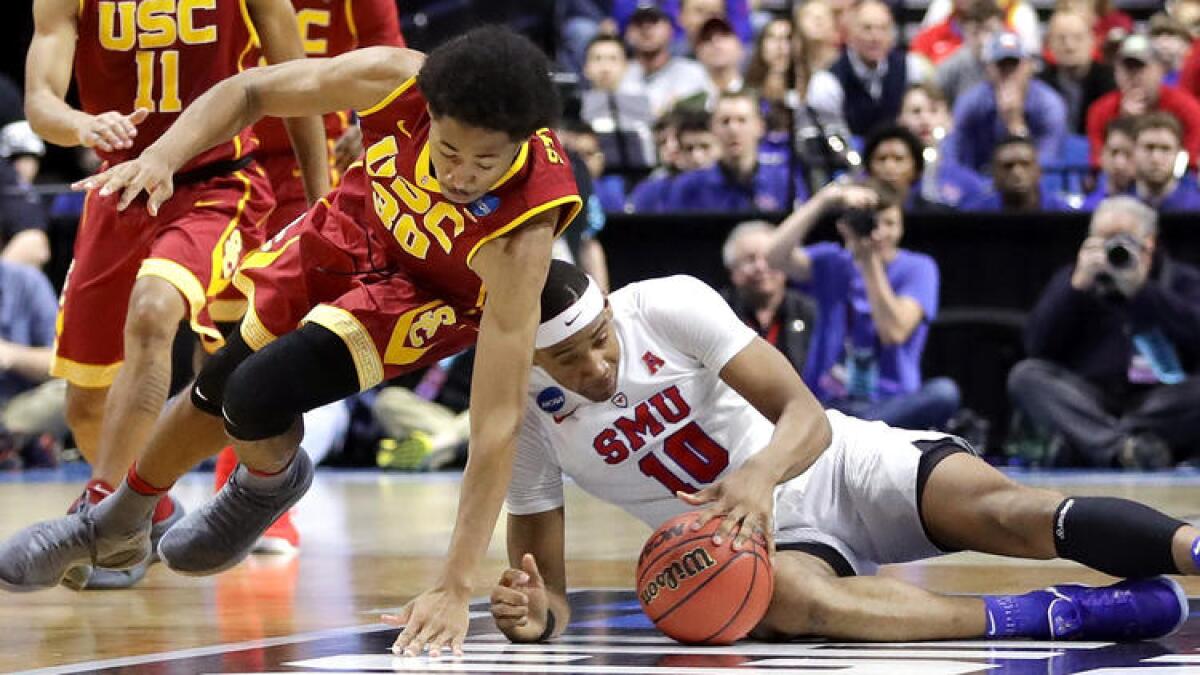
x=1010 y=103
x=658 y=400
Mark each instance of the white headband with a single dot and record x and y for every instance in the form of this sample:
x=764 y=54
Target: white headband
x=572 y=319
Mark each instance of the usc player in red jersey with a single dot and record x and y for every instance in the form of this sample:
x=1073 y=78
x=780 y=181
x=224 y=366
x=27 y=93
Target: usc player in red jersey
x=439 y=237
x=137 y=65
x=326 y=29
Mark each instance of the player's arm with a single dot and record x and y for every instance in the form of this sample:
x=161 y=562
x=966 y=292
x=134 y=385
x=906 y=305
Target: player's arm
x=784 y=252
x=48 y=76
x=275 y=21
x=355 y=80
x=513 y=269
x=529 y=603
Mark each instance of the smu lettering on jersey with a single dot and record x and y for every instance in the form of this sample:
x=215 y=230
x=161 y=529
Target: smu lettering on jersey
x=434 y=239
x=328 y=29
x=161 y=55
x=673 y=423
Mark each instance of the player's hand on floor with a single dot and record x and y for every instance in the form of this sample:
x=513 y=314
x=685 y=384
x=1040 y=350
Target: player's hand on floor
x=519 y=602
x=148 y=173
x=111 y=130
x=746 y=498
x=434 y=621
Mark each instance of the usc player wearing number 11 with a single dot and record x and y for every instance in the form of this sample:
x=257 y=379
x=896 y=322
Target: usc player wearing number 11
x=136 y=275
x=442 y=233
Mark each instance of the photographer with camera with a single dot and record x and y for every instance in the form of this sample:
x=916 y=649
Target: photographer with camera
x=875 y=302
x=1114 y=347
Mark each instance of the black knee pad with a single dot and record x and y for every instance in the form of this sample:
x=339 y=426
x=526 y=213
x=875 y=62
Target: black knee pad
x=302 y=370
x=1115 y=536
x=208 y=392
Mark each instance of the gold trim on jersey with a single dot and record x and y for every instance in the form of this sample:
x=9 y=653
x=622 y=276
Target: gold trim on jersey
x=254 y=39
x=574 y=200
x=252 y=329
x=350 y=25
x=229 y=244
x=423 y=169
x=83 y=374
x=190 y=287
x=367 y=363
x=404 y=86
x=227 y=310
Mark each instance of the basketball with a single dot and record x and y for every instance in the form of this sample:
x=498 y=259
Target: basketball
x=700 y=593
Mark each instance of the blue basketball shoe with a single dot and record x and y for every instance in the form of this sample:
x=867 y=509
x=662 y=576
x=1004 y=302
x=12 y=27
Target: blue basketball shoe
x=1134 y=609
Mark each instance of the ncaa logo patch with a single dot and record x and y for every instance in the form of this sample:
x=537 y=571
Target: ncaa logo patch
x=483 y=206
x=551 y=399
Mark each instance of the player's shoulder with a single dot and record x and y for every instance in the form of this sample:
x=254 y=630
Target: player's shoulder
x=387 y=63
x=662 y=294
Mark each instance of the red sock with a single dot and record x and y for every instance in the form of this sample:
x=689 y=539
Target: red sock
x=97 y=489
x=163 y=509
x=268 y=474
x=140 y=486
x=227 y=461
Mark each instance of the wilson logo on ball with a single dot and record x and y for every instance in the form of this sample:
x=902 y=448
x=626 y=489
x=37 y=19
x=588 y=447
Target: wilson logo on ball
x=690 y=564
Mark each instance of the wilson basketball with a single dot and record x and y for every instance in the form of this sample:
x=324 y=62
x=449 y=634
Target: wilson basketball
x=700 y=593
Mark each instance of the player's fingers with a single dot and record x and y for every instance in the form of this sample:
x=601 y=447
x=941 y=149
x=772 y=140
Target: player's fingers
x=159 y=194
x=509 y=612
x=529 y=565
x=437 y=644
x=95 y=139
x=115 y=180
x=135 y=187
x=420 y=644
x=509 y=596
x=707 y=514
x=393 y=619
x=514 y=577
x=138 y=116
x=92 y=182
x=751 y=528
x=110 y=136
x=729 y=527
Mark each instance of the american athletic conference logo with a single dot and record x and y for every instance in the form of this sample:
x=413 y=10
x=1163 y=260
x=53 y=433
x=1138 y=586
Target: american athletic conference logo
x=551 y=399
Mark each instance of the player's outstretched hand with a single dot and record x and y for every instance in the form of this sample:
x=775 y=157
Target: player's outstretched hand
x=433 y=621
x=519 y=602
x=746 y=498
x=147 y=173
x=111 y=130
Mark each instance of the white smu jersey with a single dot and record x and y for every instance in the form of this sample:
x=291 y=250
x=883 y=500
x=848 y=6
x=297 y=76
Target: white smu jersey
x=673 y=423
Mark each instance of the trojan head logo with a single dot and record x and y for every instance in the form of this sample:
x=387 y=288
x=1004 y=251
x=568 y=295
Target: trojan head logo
x=675 y=571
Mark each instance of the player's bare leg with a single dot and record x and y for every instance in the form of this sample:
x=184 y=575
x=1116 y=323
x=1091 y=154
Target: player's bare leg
x=85 y=415
x=810 y=599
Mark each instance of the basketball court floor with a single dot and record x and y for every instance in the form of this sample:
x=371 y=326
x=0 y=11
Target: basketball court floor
x=372 y=541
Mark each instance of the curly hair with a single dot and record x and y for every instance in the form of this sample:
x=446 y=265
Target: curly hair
x=491 y=78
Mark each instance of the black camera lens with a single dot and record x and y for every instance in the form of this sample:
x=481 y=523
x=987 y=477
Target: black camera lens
x=1119 y=252
x=861 y=221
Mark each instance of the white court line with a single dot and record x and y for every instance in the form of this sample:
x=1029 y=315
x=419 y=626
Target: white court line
x=1174 y=658
x=1015 y=655
x=610 y=638
x=743 y=649
x=383 y=663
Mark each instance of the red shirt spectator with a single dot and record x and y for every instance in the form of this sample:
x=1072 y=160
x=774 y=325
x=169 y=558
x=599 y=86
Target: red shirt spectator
x=942 y=39
x=1170 y=99
x=1189 y=77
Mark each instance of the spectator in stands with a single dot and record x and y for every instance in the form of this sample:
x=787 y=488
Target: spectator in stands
x=1077 y=77
x=817 y=40
x=965 y=68
x=720 y=51
x=610 y=189
x=1114 y=347
x=1157 y=142
x=1010 y=103
x=1140 y=90
x=738 y=182
x=864 y=87
x=30 y=403
x=605 y=64
x=577 y=23
x=1016 y=181
x=1107 y=22
x=616 y=107
x=685 y=14
x=665 y=78
x=939 y=41
x=893 y=156
x=22 y=220
x=21 y=146
x=771 y=73
x=1019 y=17
x=760 y=295
x=1171 y=41
x=694 y=146
x=925 y=113
x=1116 y=163
x=875 y=302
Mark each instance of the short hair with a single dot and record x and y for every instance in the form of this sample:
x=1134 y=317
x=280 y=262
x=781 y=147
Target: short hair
x=1131 y=206
x=739 y=94
x=1158 y=120
x=691 y=120
x=1014 y=139
x=565 y=284
x=602 y=38
x=981 y=11
x=886 y=196
x=1125 y=125
x=1165 y=24
x=931 y=90
x=895 y=132
x=491 y=78
x=742 y=229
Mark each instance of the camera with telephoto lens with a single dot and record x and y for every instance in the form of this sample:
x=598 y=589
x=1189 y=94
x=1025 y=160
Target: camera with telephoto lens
x=861 y=222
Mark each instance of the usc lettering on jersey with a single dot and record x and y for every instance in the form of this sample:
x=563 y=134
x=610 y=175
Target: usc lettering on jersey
x=161 y=55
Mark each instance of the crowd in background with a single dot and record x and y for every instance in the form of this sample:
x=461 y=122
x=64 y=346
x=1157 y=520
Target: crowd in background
x=824 y=109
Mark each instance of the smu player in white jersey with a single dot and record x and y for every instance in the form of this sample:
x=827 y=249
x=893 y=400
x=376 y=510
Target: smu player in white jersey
x=659 y=400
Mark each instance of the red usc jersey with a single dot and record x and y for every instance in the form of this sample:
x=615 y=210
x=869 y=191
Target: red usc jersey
x=330 y=28
x=160 y=55
x=432 y=238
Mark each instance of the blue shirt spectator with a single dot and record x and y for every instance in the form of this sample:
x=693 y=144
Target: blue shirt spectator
x=1016 y=180
x=1116 y=163
x=950 y=184
x=1182 y=197
x=993 y=202
x=1011 y=102
x=737 y=13
x=28 y=309
x=719 y=189
x=611 y=192
x=650 y=195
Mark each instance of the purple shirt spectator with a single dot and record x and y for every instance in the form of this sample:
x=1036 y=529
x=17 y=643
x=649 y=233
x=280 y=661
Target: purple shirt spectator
x=990 y=202
x=978 y=127
x=717 y=189
x=845 y=322
x=737 y=12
